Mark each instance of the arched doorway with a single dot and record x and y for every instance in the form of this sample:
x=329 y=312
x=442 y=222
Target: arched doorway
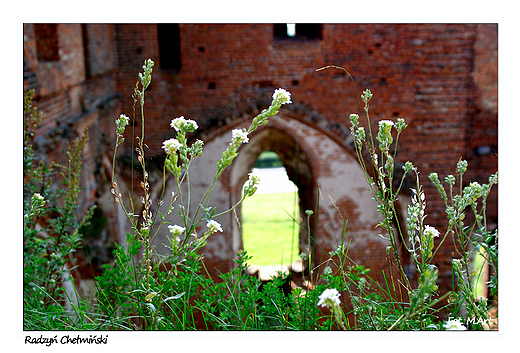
x=271 y=219
x=295 y=164
x=329 y=179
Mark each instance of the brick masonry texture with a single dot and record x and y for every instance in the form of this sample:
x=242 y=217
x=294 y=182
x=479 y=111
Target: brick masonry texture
x=442 y=78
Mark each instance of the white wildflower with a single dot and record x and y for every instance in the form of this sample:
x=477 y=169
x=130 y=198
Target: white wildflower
x=214 y=226
x=181 y=123
x=329 y=298
x=123 y=120
x=37 y=203
x=327 y=271
x=38 y=197
x=430 y=231
x=254 y=179
x=282 y=96
x=386 y=123
x=171 y=145
x=354 y=119
x=250 y=186
x=176 y=230
x=121 y=123
x=239 y=136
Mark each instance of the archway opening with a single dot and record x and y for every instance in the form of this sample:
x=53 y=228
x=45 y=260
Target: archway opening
x=297 y=165
x=270 y=218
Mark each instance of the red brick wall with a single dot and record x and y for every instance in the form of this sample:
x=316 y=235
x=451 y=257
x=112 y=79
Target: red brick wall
x=442 y=78
x=70 y=97
x=425 y=73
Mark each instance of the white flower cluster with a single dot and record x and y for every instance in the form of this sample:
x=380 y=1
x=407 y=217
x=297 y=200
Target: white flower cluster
x=329 y=298
x=38 y=197
x=386 y=123
x=121 y=123
x=430 y=231
x=253 y=179
x=282 y=96
x=37 y=203
x=214 y=226
x=123 y=120
x=176 y=230
x=251 y=185
x=384 y=135
x=239 y=136
x=182 y=124
x=427 y=242
x=171 y=145
x=327 y=271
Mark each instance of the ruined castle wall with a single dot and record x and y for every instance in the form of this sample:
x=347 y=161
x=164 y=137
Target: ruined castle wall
x=442 y=78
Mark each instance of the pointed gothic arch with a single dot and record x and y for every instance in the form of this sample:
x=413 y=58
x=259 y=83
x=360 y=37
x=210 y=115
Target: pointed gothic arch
x=319 y=157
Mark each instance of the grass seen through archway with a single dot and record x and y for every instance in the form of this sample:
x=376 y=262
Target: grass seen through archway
x=269 y=232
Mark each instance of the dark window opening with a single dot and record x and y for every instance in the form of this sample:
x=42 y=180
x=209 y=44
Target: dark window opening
x=47 y=42
x=280 y=30
x=86 y=49
x=169 y=46
x=298 y=31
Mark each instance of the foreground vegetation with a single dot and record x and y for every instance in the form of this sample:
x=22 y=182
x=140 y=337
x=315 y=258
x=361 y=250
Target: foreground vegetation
x=143 y=290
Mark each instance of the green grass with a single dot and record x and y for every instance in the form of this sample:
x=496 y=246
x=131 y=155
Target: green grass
x=268 y=232
x=478 y=264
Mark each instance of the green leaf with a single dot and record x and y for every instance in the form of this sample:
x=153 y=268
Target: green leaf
x=150 y=296
x=174 y=297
